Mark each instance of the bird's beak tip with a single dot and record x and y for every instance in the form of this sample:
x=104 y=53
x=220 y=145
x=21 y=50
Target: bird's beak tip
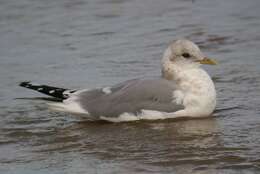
x=208 y=61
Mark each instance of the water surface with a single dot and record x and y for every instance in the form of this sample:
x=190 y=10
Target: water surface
x=80 y=43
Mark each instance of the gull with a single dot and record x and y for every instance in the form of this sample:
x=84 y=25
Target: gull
x=184 y=89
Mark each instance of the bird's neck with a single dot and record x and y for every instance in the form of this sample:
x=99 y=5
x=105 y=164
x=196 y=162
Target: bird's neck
x=193 y=79
x=187 y=77
x=173 y=71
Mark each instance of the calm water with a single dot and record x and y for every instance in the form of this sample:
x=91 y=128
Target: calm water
x=77 y=43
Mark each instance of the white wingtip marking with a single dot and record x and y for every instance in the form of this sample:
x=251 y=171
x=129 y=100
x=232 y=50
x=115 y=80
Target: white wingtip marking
x=107 y=90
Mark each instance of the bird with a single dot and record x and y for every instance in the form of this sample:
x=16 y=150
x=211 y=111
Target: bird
x=184 y=89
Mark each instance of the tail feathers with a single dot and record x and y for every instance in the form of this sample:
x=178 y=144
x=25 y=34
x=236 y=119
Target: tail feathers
x=56 y=92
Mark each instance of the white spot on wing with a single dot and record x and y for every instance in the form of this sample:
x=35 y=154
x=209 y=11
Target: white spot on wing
x=107 y=90
x=69 y=93
x=39 y=89
x=52 y=91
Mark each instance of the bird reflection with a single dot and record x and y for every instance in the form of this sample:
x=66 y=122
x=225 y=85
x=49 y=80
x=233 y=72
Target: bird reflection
x=166 y=143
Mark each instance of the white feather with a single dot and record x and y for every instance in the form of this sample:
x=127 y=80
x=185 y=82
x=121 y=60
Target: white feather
x=107 y=90
x=70 y=105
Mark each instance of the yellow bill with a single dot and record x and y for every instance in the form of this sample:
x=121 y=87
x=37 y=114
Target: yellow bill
x=208 y=61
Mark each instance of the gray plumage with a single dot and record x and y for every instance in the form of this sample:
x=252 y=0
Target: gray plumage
x=131 y=96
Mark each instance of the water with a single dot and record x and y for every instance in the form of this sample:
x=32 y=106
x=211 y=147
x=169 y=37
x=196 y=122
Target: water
x=101 y=42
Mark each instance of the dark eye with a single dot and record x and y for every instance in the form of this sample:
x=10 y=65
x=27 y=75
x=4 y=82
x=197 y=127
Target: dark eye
x=186 y=55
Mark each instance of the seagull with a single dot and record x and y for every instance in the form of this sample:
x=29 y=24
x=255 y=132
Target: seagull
x=184 y=89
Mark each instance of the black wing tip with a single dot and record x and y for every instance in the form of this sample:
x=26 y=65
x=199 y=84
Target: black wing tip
x=25 y=83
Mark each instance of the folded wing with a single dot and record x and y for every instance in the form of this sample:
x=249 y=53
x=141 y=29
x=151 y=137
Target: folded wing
x=128 y=97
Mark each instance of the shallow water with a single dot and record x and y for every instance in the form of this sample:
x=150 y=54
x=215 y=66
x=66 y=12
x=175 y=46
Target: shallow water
x=81 y=43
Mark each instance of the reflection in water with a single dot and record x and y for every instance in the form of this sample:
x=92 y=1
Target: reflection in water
x=195 y=144
x=151 y=143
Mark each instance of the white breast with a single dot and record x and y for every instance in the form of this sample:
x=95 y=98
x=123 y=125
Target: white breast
x=198 y=92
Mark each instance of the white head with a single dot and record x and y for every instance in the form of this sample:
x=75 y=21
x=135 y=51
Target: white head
x=180 y=55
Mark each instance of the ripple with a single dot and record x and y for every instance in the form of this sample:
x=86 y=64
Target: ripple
x=102 y=33
x=43 y=40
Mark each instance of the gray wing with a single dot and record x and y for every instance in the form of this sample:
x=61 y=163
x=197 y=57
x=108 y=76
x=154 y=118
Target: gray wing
x=131 y=96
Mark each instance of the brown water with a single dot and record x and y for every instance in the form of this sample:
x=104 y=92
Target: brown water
x=77 y=43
